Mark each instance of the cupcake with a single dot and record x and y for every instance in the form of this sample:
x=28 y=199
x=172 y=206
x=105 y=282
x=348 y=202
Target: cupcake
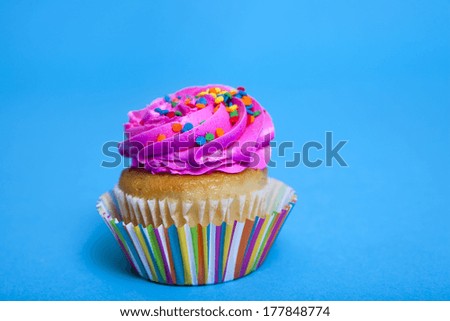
x=196 y=205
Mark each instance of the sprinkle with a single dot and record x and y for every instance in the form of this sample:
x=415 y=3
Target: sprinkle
x=219 y=99
x=164 y=112
x=200 y=140
x=177 y=127
x=167 y=98
x=247 y=100
x=186 y=127
x=256 y=113
x=212 y=90
x=187 y=101
x=170 y=114
x=250 y=119
x=178 y=113
x=219 y=132
x=202 y=100
x=202 y=122
x=231 y=108
x=249 y=106
x=240 y=88
x=174 y=103
x=158 y=110
x=191 y=105
x=234 y=119
x=242 y=93
x=160 y=137
x=217 y=89
x=234 y=113
x=200 y=106
x=233 y=92
x=179 y=97
x=209 y=137
x=250 y=112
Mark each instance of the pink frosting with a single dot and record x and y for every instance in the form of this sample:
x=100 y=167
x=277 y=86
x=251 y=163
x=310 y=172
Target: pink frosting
x=220 y=140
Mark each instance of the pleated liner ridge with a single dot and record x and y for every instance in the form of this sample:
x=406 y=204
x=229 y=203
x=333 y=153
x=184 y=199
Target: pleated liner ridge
x=200 y=254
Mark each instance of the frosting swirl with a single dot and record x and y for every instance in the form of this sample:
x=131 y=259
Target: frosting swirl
x=199 y=130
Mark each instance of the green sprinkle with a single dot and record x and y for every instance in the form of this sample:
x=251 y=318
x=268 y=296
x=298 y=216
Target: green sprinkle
x=178 y=113
x=256 y=113
x=209 y=137
x=174 y=103
x=234 y=113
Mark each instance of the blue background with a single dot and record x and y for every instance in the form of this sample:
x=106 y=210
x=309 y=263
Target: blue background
x=374 y=73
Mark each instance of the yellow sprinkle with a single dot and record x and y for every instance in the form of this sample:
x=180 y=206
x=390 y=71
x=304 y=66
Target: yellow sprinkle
x=217 y=90
x=213 y=94
x=203 y=93
x=231 y=108
x=218 y=100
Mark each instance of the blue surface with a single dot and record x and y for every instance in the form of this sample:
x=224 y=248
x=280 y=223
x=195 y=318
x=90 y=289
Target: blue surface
x=377 y=74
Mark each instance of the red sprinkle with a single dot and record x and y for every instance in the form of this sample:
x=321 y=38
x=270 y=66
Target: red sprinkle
x=171 y=114
x=234 y=119
x=240 y=88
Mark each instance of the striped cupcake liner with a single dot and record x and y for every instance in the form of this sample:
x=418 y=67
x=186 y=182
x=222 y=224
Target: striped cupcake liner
x=201 y=254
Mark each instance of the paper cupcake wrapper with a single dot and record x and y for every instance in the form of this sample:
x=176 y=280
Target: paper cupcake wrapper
x=201 y=254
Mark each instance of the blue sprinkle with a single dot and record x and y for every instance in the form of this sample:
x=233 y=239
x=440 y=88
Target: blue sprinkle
x=179 y=97
x=167 y=98
x=249 y=112
x=163 y=112
x=200 y=140
x=238 y=95
x=202 y=100
x=249 y=106
x=186 y=127
x=242 y=93
x=158 y=110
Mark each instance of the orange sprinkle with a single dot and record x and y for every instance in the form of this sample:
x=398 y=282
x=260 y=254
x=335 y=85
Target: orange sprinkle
x=187 y=101
x=233 y=92
x=200 y=106
x=160 y=137
x=219 y=132
x=247 y=100
x=251 y=119
x=177 y=127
